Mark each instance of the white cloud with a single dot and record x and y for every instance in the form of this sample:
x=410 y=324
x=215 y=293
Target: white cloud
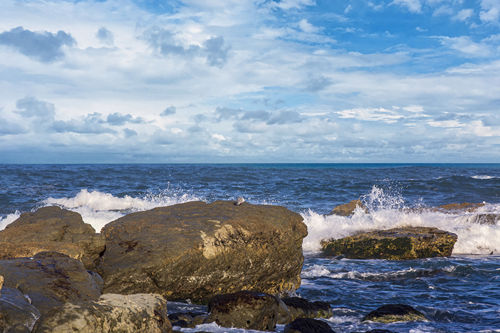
x=292 y=4
x=307 y=27
x=414 y=6
x=490 y=11
x=368 y=114
x=464 y=14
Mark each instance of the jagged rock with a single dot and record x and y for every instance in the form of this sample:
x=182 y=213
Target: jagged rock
x=196 y=250
x=393 y=244
x=52 y=229
x=111 y=313
x=348 y=208
x=302 y=308
x=486 y=218
x=50 y=279
x=395 y=312
x=16 y=312
x=244 y=309
x=308 y=325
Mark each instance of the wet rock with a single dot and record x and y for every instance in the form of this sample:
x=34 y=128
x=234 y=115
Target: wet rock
x=244 y=309
x=347 y=209
x=52 y=229
x=490 y=219
x=16 y=312
x=302 y=308
x=393 y=244
x=196 y=250
x=465 y=206
x=395 y=312
x=1 y=282
x=111 y=313
x=50 y=279
x=308 y=325
x=187 y=319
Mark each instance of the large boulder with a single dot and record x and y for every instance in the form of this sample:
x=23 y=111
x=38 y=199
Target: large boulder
x=308 y=325
x=50 y=279
x=245 y=309
x=51 y=229
x=348 y=208
x=393 y=244
x=197 y=250
x=16 y=312
x=395 y=312
x=302 y=308
x=111 y=313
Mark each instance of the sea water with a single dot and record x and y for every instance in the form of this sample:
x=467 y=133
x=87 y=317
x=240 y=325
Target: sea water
x=457 y=294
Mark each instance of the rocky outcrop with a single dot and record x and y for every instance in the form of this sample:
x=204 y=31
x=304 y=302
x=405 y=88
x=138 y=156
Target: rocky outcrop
x=111 y=313
x=49 y=279
x=188 y=319
x=16 y=312
x=465 y=206
x=197 y=250
x=308 y=325
x=301 y=308
x=51 y=229
x=348 y=208
x=395 y=312
x=393 y=244
x=244 y=309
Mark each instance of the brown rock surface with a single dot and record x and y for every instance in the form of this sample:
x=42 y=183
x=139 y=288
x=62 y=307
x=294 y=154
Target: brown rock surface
x=49 y=279
x=302 y=308
x=196 y=250
x=347 y=209
x=111 y=313
x=465 y=206
x=16 y=313
x=51 y=229
x=393 y=244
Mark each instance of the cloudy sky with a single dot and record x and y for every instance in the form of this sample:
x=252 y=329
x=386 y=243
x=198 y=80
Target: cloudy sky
x=249 y=81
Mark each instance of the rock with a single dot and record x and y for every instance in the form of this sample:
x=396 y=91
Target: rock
x=187 y=319
x=395 y=312
x=490 y=218
x=196 y=250
x=50 y=279
x=393 y=244
x=52 y=229
x=308 y=325
x=465 y=206
x=348 y=208
x=111 y=313
x=1 y=282
x=302 y=308
x=16 y=312
x=244 y=309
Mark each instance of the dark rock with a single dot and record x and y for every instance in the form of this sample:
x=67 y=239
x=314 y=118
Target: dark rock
x=393 y=244
x=302 y=308
x=490 y=219
x=52 y=229
x=16 y=312
x=395 y=312
x=187 y=319
x=196 y=250
x=111 y=313
x=308 y=325
x=348 y=208
x=50 y=279
x=244 y=309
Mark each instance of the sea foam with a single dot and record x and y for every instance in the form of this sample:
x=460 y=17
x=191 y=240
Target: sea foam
x=386 y=211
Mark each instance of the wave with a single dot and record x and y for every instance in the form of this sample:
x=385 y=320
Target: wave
x=8 y=219
x=483 y=177
x=386 y=211
x=99 y=208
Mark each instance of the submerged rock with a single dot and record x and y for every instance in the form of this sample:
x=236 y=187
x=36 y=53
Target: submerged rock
x=188 y=319
x=50 y=279
x=196 y=250
x=465 y=206
x=486 y=218
x=51 y=229
x=395 y=312
x=348 y=208
x=302 y=308
x=111 y=313
x=393 y=244
x=308 y=325
x=245 y=309
x=16 y=312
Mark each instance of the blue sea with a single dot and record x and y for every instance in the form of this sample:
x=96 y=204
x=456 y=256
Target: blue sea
x=457 y=294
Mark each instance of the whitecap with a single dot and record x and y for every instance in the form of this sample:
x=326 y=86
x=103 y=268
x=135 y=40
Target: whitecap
x=8 y=219
x=483 y=177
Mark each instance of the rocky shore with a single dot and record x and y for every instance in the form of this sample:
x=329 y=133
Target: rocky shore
x=58 y=275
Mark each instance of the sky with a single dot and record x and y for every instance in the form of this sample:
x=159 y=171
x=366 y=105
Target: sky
x=225 y=81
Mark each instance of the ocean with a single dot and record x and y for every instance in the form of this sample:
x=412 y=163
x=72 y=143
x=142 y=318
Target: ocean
x=457 y=294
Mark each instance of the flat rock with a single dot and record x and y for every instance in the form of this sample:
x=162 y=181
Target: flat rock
x=395 y=312
x=393 y=244
x=197 y=250
x=50 y=279
x=52 y=229
x=16 y=312
x=111 y=313
x=464 y=206
x=308 y=325
x=302 y=308
x=347 y=209
x=245 y=309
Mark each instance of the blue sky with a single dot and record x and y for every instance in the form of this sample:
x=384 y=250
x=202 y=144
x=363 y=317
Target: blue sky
x=249 y=81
